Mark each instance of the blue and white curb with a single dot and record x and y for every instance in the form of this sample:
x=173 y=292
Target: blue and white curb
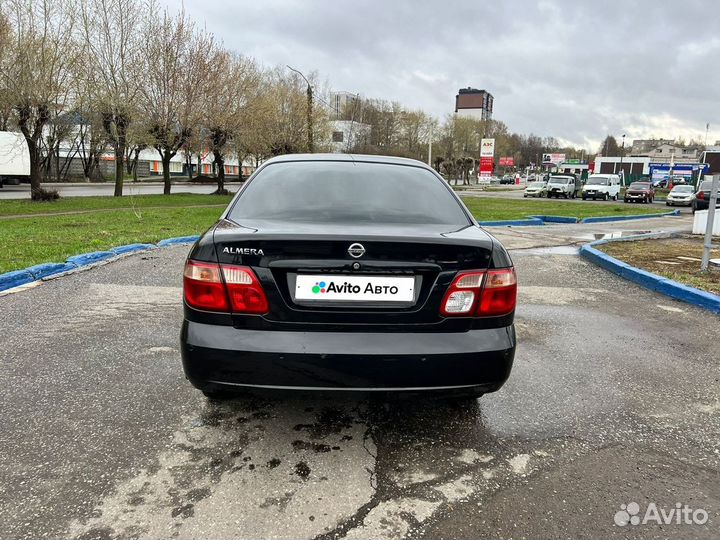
x=533 y=221
x=18 y=278
x=651 y=281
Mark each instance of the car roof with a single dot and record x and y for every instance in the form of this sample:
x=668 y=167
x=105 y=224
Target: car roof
x=365 y=158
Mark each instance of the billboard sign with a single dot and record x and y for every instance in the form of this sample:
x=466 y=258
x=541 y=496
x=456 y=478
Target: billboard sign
x=487 y=148
x=486 y=166
x=556 y=159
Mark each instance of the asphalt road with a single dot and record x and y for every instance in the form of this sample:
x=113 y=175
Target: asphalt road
x=614 y=398
x=108 y=188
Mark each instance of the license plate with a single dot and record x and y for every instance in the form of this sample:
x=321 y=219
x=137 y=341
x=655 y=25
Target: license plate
x=355 y=288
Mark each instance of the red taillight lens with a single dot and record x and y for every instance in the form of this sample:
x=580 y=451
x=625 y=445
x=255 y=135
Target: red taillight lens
x=499 y=294
x=701 y=195
x=245 y=291
x=213 y=287
x=481 y=294
x=203 y=287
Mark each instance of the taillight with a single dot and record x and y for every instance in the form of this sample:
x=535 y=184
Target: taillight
x=245 y=291
x=481 y=294
x=701 y=195
x=226 y=288
x=203 y=287
x=499 y=293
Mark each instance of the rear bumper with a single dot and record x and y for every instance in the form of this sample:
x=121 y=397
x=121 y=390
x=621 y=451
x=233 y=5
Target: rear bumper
x=221 y=356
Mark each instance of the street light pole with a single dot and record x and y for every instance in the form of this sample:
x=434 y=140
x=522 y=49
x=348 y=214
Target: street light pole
x=311 y=142
x=622 y=154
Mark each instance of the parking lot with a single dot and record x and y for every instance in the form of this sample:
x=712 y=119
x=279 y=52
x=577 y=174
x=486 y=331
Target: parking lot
x=614 y=398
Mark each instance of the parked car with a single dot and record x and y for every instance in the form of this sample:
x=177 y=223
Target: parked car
x=602 y=186
x=678 y=180
x=681 y=195
x=565 y=185
x=335 y=273
x=702 y=196
x=640 y=192
x=537 y=188
x=663 y=182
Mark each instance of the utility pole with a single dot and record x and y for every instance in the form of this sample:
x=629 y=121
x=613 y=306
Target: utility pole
x=430 y=146
x=311 y=142
x=712 y=203
x=622 y=154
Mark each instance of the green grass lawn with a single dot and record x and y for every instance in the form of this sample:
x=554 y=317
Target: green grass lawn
x=74 y=204
x=115 y=221
x=491 y=209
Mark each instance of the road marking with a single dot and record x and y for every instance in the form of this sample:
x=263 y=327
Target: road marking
x=671 y=309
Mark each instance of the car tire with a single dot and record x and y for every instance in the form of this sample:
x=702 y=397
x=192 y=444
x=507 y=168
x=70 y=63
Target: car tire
x=606 y=196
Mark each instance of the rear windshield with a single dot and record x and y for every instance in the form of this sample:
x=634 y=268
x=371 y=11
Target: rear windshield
x=347 y=192
x=705 y=185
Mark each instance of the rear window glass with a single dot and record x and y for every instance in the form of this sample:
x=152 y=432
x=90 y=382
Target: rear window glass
x=347 y=192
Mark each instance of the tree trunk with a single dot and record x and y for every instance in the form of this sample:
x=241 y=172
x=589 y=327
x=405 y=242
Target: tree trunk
x=188 y=165
x=121 y=128
x=166 y=171
x=119 y=170
x=35 y=169
x=135 y=159
x=220 y=162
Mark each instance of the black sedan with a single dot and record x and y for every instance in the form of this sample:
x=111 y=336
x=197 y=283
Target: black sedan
x=702 y=196
x=348 y=273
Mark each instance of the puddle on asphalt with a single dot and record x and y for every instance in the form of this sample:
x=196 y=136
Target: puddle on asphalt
x=609 y=235
x=553 y=250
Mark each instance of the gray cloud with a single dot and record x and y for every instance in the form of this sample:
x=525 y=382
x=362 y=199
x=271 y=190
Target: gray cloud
x=573 y=70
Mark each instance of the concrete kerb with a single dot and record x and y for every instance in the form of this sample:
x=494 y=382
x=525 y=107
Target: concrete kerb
x=19 y=279
x=534 y=221
x=651 y=281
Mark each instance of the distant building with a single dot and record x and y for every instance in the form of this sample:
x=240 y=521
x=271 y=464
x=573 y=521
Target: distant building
x=641 y=147
x=340 y=101
x=347 y=134
x=474 y=103
x=665 y=151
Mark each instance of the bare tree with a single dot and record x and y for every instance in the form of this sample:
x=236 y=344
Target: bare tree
x=114 y=61
x=37 y=73
x=175 y=83
x=232 y=94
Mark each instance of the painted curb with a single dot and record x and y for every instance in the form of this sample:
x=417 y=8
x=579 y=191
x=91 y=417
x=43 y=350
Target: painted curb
x=651 y=281
x=512 y=223
x=557 y=219
x=542 y=220
x=16 y=278
x=178 y=240
x=607 y=219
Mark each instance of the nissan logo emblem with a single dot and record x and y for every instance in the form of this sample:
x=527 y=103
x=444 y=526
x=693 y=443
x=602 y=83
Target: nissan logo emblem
x=356 y=250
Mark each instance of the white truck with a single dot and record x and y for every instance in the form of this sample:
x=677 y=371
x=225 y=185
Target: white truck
x=14 y=158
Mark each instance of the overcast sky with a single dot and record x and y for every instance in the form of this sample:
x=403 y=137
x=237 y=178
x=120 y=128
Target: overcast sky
x=564 y=68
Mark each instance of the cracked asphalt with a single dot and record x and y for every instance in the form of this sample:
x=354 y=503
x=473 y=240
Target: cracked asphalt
x=614 y=398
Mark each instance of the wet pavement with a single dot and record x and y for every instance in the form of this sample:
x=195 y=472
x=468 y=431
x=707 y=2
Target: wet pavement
x=614 y=398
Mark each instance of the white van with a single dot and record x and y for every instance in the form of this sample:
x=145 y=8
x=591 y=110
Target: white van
x=602 y=186
x=14 y=158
